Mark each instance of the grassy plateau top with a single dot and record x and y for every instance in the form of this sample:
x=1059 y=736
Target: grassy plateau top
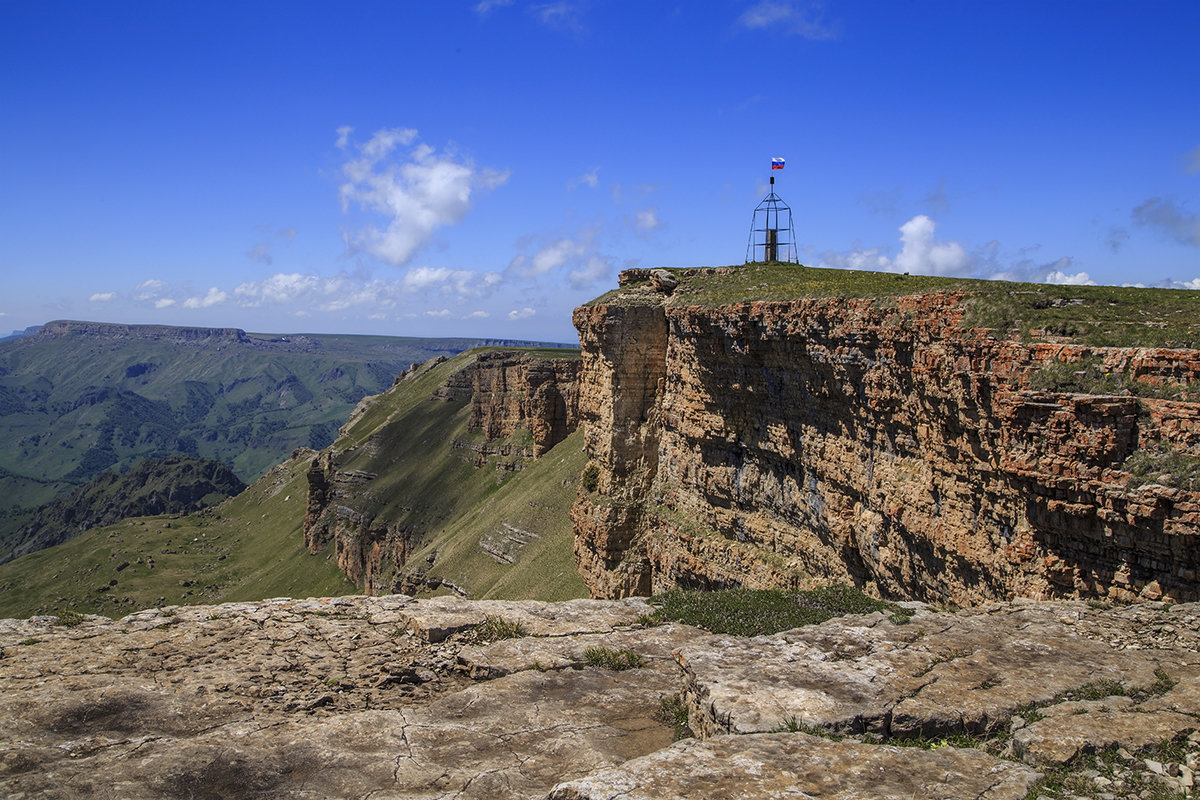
x=1099 y=316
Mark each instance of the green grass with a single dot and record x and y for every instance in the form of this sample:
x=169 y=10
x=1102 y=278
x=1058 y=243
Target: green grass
x=74 y=405
x=1086 y=315
x=494 y=629
x=756 y=612
x=1077 y=778
x=250 y=547
x=616 y=660
x=673 y=711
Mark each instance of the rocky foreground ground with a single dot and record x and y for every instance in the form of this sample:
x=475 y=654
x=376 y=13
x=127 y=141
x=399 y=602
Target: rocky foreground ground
x=387 y=697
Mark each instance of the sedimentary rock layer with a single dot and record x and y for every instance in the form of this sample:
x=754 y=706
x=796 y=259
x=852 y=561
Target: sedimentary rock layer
x=880 y=443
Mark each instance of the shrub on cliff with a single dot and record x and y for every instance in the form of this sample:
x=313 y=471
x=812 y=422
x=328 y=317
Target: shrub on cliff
x=1163 y=463
x=590 y=477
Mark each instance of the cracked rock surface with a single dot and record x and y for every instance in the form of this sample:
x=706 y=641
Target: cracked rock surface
x=389 y=697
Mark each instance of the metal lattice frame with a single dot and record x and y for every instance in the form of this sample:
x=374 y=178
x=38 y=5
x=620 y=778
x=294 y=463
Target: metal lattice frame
x=772 y=237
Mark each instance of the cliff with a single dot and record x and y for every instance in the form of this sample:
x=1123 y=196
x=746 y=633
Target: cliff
x=886 y=441
x=443 y=481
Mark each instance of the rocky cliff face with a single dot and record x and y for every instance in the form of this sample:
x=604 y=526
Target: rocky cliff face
x=511 y=390
x=880 y=443
x=519 y=405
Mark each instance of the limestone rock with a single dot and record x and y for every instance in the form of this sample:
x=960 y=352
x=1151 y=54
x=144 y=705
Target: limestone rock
x=776 y=766
x=663 y=280
x=1059 y=739
x=936 y=675
x=392 y=697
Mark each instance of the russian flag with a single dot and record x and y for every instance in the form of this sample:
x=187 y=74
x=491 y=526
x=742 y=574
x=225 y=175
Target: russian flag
x=776 y=163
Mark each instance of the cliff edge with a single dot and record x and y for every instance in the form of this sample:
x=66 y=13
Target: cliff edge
x=941 y=440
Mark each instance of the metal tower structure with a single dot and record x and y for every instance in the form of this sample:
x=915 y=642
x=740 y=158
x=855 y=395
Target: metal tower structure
x=772 y=237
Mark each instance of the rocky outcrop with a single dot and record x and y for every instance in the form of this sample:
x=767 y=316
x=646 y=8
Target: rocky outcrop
x=880 y=443
x=511 y=390
x=402 y=698
x=519 y=405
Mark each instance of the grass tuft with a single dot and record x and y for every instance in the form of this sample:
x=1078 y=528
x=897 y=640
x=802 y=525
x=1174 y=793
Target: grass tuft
x=493 y=629
x=616 y=660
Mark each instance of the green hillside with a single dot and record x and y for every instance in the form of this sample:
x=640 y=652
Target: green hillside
x=172 y=485
x=252 y=546
x=77 y=399
x=466 y=521
x=249 y=547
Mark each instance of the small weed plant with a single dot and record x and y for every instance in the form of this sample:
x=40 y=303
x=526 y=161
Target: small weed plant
x=590 y=477
x=69 y=618
x=673 y=711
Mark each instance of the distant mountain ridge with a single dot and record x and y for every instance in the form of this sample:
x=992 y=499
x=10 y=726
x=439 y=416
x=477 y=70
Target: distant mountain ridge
x=113 y=330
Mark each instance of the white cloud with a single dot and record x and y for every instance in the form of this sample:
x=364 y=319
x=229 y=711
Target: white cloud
x=463 y=282
x=596 y=270
x=524 y=313
x=103 y=297
x=477 y=315
x=164 y=302
x=214 y=297
x=548 y=257
x=278 y=288
x=592 y=178
x=647 y=219
x=919 y=254
x=922 y=255
x=441 y=313
x=261 y=251
x=150 y=289
x=415 y=194
x=1061 y=278
x=1175 y=221
x=559 y=15
x=485 y=6
x=343 y=137
x=791 y=17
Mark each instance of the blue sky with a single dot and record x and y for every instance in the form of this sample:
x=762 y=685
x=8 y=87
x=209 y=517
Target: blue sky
x=480 y=168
